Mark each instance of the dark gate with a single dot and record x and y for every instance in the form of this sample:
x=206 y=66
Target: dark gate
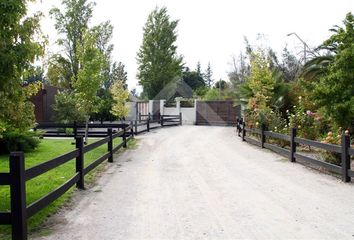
x=217 y=113
x=156 y=113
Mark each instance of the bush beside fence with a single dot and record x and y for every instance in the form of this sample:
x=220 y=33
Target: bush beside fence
x=344 y=149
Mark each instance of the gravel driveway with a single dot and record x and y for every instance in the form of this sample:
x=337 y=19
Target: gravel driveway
x=196 y=182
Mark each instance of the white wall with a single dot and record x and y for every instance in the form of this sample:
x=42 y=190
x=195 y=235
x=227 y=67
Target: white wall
x=132 y=110
x=189 y=115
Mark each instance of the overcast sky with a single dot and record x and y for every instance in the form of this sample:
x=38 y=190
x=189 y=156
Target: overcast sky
x=212 y=30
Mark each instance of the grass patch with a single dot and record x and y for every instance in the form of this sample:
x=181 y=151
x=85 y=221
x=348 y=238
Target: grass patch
x=44 y=184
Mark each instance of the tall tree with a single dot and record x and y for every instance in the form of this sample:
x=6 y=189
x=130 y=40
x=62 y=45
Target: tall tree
x=89 y=79
x=72 y=23
x=118 y=73
x=159 y=63
x=199 y=69
x=18 y=50
x=209 y=76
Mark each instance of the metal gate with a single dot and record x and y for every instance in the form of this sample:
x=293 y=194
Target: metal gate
x=217 y=113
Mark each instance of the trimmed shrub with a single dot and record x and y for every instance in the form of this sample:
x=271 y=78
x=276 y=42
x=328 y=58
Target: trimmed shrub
x=18 y=141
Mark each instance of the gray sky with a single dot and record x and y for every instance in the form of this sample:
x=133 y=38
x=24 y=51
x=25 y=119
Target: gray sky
x=211 y=30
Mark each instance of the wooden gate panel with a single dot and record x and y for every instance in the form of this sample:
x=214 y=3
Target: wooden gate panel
x=217 y=113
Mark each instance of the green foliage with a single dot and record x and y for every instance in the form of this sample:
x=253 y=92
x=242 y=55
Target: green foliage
x=159 y=63
x=59 y=72
x=104 y=106
x=335 y=90
x=333 y=138
x=120 y=97
x=261 y=83
x=72 y=23
x=193 y=79
x=18 y=50
x=66 y=108
x=221 y=84
x=308 y=123
x=117 y=73
x=208 y=75
x=89 y=78
x=213 y=94
x=17 y=140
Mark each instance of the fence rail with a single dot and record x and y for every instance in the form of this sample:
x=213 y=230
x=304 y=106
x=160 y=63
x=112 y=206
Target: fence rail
x=344 y=149
x=18 y=176
x=164 y=121
x=59 y=129
x=4 y=179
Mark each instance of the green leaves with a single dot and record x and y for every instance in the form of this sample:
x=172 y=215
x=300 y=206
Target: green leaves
x=120 y=96
x=158 y=61
x=335 y=90
x=18 y=50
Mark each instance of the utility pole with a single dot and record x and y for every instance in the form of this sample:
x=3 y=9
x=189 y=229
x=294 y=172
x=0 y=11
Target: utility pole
x=303 y=42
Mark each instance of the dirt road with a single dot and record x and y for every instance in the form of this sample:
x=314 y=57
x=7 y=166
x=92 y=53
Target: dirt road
x=195 y=182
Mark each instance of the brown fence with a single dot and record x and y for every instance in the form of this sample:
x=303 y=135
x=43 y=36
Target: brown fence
x=344 y=149
x=217 y=113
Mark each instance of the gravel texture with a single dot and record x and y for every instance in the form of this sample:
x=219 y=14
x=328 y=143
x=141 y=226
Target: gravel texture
x=195 y=182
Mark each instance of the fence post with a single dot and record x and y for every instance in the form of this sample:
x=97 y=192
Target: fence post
x=136 y=127
x=132 y=129
x=124 y=138
x=139 y=117
x=243 y=131
x=263 y=137
x=75 y=129
x=180 y=118
x=239 y=130
x=18 y=196
x=110 y=145
x=148 y=124
x=345 y=157
x=80 y=162
x=292 y=145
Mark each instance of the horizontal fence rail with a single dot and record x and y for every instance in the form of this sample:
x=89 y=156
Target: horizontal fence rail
x=328 y=166
x=59 y=129
x=324 y=146
x=145 y=122
x=51 y=197
x=344 y=150
x=18 y=176
x=277 y=135
x=5 y=218
x=4 y=179
x=280 y=150
x=49 y=165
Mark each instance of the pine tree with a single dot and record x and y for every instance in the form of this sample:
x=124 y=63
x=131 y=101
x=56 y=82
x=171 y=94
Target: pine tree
x=209 y=76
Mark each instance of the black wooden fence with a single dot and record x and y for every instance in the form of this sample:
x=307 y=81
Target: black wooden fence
x=344 y=149
x=18 y=176
x=61 y=130
x=146 y=122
